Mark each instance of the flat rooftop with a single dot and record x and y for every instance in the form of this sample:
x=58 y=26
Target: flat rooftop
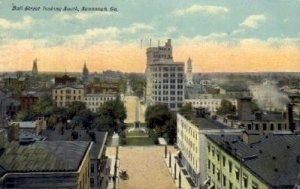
x=97 y=146
x=204 y=123
x=273 y=157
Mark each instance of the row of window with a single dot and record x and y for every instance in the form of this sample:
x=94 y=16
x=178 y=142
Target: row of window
x=167 y=75
x=205 y=103
x=211 y=167
x=265 y=126
x=166 y=69
x=167 y=92
x=68 y=98
x=99 y=98
x=167 y=86
x=165 y=98
x=162 y=56
x=94 y=103
x=68 y=91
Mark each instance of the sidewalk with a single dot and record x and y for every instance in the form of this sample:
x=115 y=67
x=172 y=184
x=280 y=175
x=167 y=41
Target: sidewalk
x=185 y=184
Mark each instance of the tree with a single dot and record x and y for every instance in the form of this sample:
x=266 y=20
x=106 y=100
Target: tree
x=171 y=127
x=160 y=119
x=186 y=109
x=226 y=108
x=74 y=108
x=111 y=115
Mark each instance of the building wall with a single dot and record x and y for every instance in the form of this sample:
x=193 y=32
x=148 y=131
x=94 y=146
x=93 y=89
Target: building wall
x=165 y=78
x=210 y=104
x=83 y=174
x=47 y=180
x=192 y=143
x=166 y=84
x=66 y=95
x=28 y=101
x=38 y=180
x=260 y=126
x=188 y=141
x=159 y=53
x=93 y=102
x=226 y=172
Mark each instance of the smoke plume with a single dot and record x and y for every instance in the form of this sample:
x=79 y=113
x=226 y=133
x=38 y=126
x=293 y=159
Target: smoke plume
x=269 y=97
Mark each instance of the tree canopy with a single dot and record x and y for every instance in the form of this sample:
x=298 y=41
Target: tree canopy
x=226 y=108
x=111 y=115
x=162 y=121
x=186 y=109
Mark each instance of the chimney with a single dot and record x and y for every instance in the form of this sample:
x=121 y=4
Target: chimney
x=250 y=137
x=244 y=109
x=13 y=132
x=289 y=117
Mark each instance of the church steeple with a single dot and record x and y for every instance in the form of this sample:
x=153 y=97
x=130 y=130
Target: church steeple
x=34 y=67
x=85 y=73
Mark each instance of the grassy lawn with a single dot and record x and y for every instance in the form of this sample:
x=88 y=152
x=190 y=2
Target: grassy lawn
x=136 y=134
x=139 y=141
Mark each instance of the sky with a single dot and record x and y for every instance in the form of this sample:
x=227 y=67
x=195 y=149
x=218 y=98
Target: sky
x=218 y=35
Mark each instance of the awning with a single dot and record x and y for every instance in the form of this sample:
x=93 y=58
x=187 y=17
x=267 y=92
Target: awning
x=206 y=181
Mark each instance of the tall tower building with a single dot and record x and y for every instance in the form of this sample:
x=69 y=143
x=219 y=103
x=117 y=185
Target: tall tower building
x=189 y=72
x=34 y=67
x=85 y=73
x=165 y=78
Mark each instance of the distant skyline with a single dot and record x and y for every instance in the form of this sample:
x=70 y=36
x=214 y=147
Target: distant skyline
x=218 y=35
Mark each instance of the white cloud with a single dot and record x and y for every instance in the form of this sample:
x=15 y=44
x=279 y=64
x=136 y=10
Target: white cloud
x=207 y=9
x=238 y=31
x=252 y=21
x=81 y=16
x=6 y=24
x=171 y=30
x=108 y=33
x=136 y=27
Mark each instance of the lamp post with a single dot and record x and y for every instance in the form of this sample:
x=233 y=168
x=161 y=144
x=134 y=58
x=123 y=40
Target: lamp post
x=179 y=178
x=169 y=159
x=175 y=170
x=115 y=142
x=166 y=151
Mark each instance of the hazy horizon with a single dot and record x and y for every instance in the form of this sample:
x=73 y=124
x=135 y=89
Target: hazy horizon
x=218 y=35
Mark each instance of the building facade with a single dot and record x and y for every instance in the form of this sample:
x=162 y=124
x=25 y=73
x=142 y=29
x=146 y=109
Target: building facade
x=208 y=101
x=192 y=144
x=52 y=169
x=64 y=80
x=94 y=101
x=28 y=100
x=234 y=162
x=165 y=78
x=64 y=95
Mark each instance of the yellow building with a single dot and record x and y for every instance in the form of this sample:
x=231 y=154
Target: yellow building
x=64 y=95
x=45 y=164
x=252 y=162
